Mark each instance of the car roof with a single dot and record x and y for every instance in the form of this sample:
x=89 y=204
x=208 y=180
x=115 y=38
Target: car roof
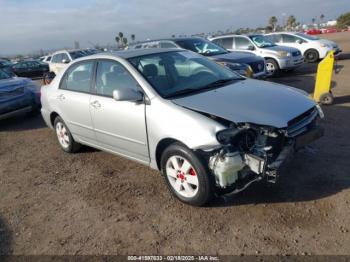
x=167 y=39
x=126 y=54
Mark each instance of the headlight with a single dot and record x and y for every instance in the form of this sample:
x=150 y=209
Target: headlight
x=320 y=111
x=283 y=54
x=325 y=45
x=248 y=72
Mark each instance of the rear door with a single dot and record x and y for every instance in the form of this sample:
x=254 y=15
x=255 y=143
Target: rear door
x=120 y=126
x=225 y=42
x=73 y=99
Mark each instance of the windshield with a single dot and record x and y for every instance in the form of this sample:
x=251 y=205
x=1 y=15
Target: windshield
x=76 y=54
x=261 y=41
x=4 y=75
x=308 y=37
x=201 y=46
x=179 y=73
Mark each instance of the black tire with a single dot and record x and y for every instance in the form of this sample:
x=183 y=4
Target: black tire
x=327 y=99
x=311 y=56
x=205 y=184
x=272 y=65
x=72 y=145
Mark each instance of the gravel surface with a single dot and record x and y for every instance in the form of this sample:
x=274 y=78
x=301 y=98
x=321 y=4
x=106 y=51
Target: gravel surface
x=96 y=203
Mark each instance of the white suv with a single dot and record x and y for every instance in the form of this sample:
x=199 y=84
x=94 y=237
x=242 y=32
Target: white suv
x=313 y=48
x=60 y=59
x=277 y=57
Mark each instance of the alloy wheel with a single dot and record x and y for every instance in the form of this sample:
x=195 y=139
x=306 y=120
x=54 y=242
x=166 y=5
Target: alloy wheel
x=62 y=135
x=182 y=176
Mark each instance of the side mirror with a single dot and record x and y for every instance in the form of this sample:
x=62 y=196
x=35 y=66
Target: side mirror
x=65 y=61
x=127 y=94
x=299 y=41
x=251 y=47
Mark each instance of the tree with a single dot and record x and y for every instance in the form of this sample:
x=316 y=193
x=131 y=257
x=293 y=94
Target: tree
x=117 y=39
x=343 y=21
x=132 y=37
x=125 y=41
x=273 y=22
x=121 y=35
x=291 y=22
x=321 y=18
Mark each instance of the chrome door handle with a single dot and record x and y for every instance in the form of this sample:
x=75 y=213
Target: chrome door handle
x=61 y=97
x=95 y=104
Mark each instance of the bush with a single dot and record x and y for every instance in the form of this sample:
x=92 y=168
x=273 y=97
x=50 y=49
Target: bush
x=343 y=21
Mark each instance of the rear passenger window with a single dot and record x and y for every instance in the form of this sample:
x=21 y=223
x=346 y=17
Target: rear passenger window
x=226 y=42
x=289 y=39
x=274 y=38
x=79 y=77
x=113 y=76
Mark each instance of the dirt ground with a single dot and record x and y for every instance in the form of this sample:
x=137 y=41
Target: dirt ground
x=96 y=203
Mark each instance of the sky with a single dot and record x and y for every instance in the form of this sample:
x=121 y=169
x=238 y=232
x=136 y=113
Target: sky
x=31 y=25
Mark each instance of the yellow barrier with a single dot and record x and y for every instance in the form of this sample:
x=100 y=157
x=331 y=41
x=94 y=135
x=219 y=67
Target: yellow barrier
x=322 y=92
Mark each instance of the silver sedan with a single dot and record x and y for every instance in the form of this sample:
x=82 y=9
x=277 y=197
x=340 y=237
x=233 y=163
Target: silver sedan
x=207 y=129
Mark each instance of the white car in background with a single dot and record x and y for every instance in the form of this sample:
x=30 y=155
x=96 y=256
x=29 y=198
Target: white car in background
x=312 y=47
x=277 y=57
x=60 y=59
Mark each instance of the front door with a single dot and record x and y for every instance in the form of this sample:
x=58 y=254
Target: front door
x=120 y=126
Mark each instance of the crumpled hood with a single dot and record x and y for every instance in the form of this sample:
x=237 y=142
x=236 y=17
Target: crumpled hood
x=251 y=101
x=237 y=57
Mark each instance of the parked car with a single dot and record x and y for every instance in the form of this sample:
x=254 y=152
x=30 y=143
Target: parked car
x=313 y=31
x=313 y=48
x=30 y=68
x=6 y=66
x=17 y=95
x=206 y=128
x=243 y=63
x=277 y=57
x=60 y=59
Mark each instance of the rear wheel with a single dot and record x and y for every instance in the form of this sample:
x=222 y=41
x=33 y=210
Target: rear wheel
x=272 y=67
x=311 y=56
x=64 y=137
x=186 y=176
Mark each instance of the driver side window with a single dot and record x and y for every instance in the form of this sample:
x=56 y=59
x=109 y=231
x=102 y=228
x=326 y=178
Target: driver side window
x=112 y=76
x=242 y=43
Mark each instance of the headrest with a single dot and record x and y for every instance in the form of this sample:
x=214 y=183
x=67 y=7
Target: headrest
x=150 y=70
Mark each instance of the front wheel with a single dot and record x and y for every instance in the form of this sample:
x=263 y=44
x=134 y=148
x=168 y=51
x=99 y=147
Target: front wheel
x=311 y=56
x=186 y=176
x=272 y=68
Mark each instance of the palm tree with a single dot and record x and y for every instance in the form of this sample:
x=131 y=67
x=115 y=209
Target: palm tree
x=125 y=41
x=273 y=22
x=117 y=39
x=291 y=21
x=132 y=37
x=321 y=17
x=121 y=35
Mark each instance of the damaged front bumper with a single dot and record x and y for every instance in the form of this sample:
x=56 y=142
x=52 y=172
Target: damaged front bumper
x=235 y=171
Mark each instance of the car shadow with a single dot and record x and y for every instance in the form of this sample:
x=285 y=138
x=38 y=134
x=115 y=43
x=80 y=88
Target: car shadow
x=22 y=123
x=5 y=238
x=343 y=56
x=313 y=173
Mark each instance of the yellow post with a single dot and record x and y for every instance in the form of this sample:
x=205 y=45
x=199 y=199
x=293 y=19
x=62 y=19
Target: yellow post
x=322 y=92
